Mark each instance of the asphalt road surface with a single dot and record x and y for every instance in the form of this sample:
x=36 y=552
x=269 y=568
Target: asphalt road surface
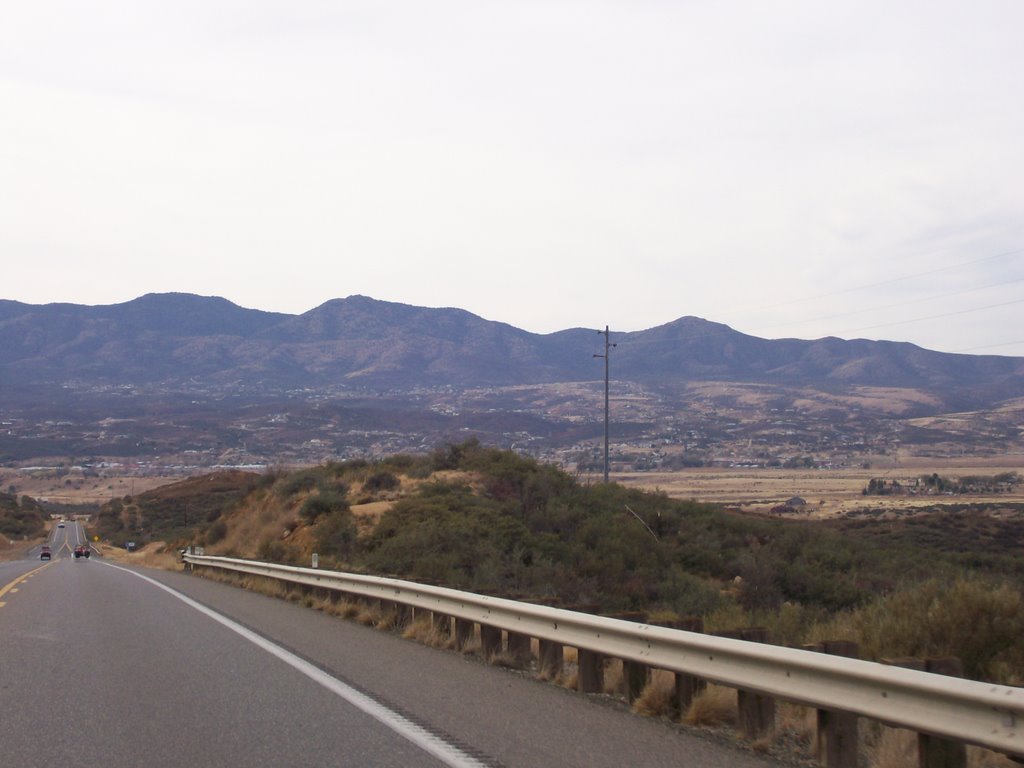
x=105 y=665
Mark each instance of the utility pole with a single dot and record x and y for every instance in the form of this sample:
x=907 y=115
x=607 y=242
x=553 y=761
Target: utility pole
x=607 y=349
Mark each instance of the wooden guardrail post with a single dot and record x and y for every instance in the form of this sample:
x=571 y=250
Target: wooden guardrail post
x=591 y=671
x=519 y=648
x=634 y=674
x=463 y=632
x=756 y=712
x=441 y=623
x=837 y=731
x=687 y=687
x=552 y=656
x=634 y=677
x=490 y=641
x=934 y=751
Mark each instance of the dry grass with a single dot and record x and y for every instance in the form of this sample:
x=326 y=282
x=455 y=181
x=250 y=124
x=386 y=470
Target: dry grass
x=424 y=631
x=153 y=555
x=716 y=705
x=473 y=646
x=655 y=700
x=888 y=747
x=613 y=678
x=269 y=520
x=369 y=615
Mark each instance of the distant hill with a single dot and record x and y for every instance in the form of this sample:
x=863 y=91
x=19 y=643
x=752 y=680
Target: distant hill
x=181 y=339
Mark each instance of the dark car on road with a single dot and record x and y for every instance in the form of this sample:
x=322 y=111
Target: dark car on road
x=44 y=552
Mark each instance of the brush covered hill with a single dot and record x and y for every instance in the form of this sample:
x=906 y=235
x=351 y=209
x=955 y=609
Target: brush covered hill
x=174 y=512
x=492 y=521
x=21 y=518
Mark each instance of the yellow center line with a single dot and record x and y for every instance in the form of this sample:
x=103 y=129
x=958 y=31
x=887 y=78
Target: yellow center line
x=12 y=586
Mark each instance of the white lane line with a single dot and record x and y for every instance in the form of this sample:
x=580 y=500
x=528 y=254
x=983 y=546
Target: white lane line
x=447 y=753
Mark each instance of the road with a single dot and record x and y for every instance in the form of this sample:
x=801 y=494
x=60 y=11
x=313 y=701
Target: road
x=106 y=665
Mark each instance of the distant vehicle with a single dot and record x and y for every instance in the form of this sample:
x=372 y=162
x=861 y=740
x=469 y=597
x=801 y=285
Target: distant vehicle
x=60 y=525
x=44 y=552
x=81 y=550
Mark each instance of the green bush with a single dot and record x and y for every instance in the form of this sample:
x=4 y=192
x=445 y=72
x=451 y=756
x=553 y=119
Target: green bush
x=381 y=481
x=978 y=620
x=336 y=535
x=323 y=503
x=26 y=518
x=272 y=551
x=296 y=482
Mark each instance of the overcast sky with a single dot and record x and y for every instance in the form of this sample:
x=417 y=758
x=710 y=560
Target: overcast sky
x=792 y=169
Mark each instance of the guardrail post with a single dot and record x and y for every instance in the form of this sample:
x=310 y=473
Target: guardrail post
x=519 y=648
x=837 y=731
x=687 y=687
x=463 y=632
x=591 y=671
x=756 y=715
x=403 y=615
x=551 y=659
x=490 y=641
x=634 y=677
x=634 y=674
x=442 y=623
x=934 y=751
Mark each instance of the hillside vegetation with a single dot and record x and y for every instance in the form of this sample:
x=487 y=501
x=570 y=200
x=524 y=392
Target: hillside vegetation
x=20 y=518
x=175 y=512
x=492 y=521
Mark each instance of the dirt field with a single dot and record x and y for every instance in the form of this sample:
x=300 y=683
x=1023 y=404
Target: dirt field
x=70 y=487
x=828 y=493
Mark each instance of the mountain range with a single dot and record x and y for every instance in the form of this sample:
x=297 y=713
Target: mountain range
x=178 y=340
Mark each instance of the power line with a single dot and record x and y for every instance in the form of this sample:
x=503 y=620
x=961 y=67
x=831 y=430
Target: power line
x=930 y=317
x=991 y=346
x=890 y=306
x=865 y=287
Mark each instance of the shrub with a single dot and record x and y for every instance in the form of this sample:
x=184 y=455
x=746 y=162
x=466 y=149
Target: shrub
x=323 y=503
x=336 y=535
x=271 y=550
x=979 y=621
x=216 y=532
x=296 y=482
x=381 y=481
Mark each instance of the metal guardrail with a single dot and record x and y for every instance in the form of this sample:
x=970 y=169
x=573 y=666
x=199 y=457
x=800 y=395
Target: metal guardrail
x=973 y=712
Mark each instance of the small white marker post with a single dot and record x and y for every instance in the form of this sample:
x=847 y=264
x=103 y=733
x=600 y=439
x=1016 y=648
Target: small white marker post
x=316 y=560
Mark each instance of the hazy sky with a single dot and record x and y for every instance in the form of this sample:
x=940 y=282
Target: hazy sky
x=795 y=168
